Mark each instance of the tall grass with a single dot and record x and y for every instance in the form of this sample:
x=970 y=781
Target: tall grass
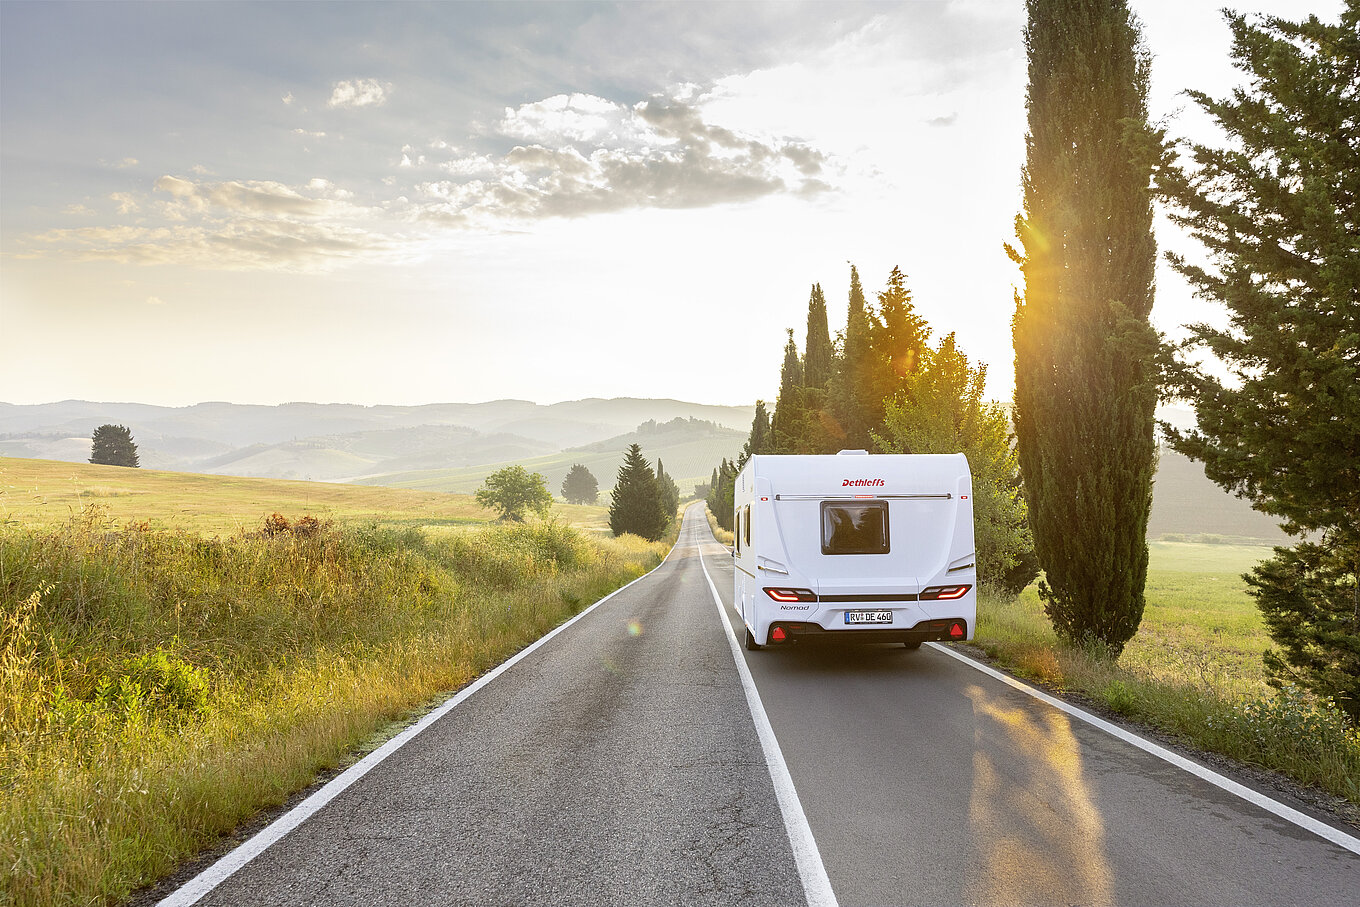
x=156 y=688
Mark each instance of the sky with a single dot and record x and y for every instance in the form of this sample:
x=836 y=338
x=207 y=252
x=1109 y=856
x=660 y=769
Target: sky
x=405 y=203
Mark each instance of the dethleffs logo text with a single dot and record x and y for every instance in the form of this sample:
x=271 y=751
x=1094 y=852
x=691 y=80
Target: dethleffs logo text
x=861 y=483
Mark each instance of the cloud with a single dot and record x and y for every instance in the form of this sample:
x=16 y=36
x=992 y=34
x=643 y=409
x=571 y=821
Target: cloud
x=585 y=155
x=565 y=156
x=233 y=225
x=154 y=300
x=310 y=135
x=572 y=118
x=358 y=93
x=947 y=120
x=127 y=204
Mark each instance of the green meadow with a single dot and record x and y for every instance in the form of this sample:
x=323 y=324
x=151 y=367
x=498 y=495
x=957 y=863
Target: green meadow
x=174 y=657
x=50 y=492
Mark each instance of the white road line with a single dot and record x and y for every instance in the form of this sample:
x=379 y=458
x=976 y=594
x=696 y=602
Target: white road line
x=816 y=885
x=1302 y=820
x=220 y=871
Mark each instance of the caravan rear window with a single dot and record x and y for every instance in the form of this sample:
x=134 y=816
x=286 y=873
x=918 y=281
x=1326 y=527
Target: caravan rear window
x=854 y=527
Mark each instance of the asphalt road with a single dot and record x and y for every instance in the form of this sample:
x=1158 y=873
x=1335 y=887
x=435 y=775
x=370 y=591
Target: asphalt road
x=620 y=763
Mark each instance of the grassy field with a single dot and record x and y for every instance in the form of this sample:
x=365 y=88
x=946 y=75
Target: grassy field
x=1194 y=669
x=159 y=686
x=49 y=493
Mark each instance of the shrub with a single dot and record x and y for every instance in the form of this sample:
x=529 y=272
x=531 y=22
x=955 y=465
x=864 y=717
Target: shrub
x=166 y=684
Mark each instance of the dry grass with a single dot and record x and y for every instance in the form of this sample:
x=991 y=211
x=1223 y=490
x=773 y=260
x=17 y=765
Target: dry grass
x=270 y=658
x=722 y=535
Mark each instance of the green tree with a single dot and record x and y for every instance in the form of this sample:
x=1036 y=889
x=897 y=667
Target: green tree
x=112 y=445
x=897 y=339
x=817 y=360
x=515 y=491
x=849 y=394
x=1307 y=596
x=667 y=491
x=580 y=486
x=758 y=441
x=721 y=495
x=1085 y=354
x=787 y=425
x=1279 y=213
x=940 y=409
x=635 y=503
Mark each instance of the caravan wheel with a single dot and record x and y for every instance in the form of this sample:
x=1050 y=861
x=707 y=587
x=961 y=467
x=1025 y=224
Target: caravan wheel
x=914 y=644
x=751 y=644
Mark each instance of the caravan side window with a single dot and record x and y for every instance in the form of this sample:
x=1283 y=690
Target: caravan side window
x=736 y=532
x=855 y=527
x=746 y=520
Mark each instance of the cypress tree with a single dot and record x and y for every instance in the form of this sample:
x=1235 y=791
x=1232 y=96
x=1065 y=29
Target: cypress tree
x=848 y=396
x=758 y=442
x=1278 y=214
x=720 y=497
x=667 y=491
x=818 y=354
x=112 y=445
x=1084 y=351
x=635 y=503
x=787 y=424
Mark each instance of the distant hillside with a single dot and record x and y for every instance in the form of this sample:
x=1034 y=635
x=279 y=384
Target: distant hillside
x=688 y=448
x=338 y=442
x=1185 y=502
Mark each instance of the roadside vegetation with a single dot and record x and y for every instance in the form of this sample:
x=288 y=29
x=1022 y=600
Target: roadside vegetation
x=1194 y=670
x=157 y=687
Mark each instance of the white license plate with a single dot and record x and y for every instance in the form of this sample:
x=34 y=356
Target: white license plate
x=868 y=617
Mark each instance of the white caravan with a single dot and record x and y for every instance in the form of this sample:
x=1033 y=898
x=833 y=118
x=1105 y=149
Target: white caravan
x=854 y=547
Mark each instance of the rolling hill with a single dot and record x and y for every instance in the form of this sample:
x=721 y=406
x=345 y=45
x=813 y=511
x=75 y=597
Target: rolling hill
x=689 y=449
x=342 y=442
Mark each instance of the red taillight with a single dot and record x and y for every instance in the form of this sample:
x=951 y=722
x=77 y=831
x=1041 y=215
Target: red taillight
x=956 y=631
x=944 y=593
x=777 y=634
x=791 y=595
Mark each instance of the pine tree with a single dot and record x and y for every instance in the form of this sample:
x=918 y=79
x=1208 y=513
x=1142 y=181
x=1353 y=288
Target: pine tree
x=580 y=486
x=897 y=337
x=818 y=353
x=1085 y=386
x=758 y=442
x=787 y=425
x=635 y=503
x=1279 y=213
x=112 y=445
